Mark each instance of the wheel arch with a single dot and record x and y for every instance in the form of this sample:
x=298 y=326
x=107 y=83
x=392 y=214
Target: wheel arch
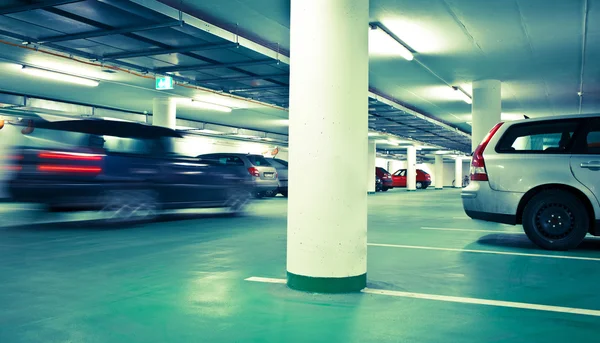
x=594 y=229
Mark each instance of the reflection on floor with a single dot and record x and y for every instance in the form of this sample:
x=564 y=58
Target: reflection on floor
x=183 y=281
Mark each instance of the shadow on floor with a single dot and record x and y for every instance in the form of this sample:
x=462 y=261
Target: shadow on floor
x=522 y=242
x=99 y=225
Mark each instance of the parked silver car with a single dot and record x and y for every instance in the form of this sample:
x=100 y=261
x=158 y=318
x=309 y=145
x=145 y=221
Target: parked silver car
x=261 y=174
x=282 y=172
x=542 y=173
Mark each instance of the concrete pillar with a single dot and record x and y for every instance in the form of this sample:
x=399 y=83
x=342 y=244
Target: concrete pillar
x=486 y=109
x=164 y=112
x=371 y=156
x=458 y=172
x=439 y=172
x=389 y=166
x=411 y=168
x=327 y=212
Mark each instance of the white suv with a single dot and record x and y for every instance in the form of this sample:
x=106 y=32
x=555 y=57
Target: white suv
x=542 y=173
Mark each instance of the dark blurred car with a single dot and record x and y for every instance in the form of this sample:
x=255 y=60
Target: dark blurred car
x=126 y=169
x=282 y=172
x=422 y=182
x=261 y=174
x=385 y=180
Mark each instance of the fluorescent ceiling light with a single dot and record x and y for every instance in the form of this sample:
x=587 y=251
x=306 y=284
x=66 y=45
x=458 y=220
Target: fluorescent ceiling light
x=202 y=104
x=371 y=134
x=382 y=44
x=208 y=106
x=463 y=95
x=59 y=76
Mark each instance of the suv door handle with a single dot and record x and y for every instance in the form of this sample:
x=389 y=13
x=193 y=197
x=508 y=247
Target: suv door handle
x=591 y=165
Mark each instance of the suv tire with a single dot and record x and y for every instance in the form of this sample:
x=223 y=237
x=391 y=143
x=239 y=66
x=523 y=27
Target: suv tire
x=556 y=220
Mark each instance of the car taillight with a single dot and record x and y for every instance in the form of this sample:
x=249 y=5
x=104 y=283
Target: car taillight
x=68 y=169
x=478 y=171
x=72 y=156
x=254 y=172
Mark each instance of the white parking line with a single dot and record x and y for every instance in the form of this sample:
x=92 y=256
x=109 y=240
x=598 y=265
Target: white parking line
x=473 y=230
x=564 y=257
x=265 y=279
x=462 y=300
x=475 y=301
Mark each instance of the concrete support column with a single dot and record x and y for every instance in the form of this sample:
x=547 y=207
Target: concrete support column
x=164 y=112
x=411 y=168
x=327 y=214
x=371 y=156
x=458 y=172
x=486 y=110
x=389 y=166
x=439 y=172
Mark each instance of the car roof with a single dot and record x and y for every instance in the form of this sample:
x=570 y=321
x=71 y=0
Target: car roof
x=103 y=127
x=560 y=117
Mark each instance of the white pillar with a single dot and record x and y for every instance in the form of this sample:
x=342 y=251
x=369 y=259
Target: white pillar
x=411 y=168
x=327 y=213
x=164 y=112
x=439 y=172
x=371 y=156
x=458 y=172
x=486 y=110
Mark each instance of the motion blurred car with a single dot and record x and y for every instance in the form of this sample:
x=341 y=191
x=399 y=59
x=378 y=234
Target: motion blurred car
x=423 y=179
x=282 y=173
x=127 y=170
x=262 y=175
x=542 y=173
x=385 y=180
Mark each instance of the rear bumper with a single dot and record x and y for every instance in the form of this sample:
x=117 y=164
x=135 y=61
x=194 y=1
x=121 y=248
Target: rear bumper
x=78 y=195
x=265 y=185
x=492 y=217
x=483 y=203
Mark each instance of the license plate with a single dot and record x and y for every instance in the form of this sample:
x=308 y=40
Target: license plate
x=269 y=175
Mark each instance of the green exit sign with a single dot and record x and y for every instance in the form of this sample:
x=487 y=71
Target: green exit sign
x=164 y=82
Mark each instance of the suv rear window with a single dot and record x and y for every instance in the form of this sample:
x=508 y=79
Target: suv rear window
x=258 y=161
x=542 y=137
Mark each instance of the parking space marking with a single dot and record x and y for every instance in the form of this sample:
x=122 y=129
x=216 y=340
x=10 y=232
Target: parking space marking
x=475 y=301
x=266 y=280
x=462 y=300
x=473 y=230
x=564 y=257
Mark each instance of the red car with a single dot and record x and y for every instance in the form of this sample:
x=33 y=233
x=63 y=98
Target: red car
x=399 y=179
x=386 y=180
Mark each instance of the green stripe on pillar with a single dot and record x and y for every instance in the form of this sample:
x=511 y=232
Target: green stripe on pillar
x=349 y=284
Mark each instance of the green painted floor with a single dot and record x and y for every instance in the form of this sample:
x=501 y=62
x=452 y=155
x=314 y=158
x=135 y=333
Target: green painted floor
x=183 y=281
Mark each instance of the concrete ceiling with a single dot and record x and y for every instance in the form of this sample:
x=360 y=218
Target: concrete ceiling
x=534 y=46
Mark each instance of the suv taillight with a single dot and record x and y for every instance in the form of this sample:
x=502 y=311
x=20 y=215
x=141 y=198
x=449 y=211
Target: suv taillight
x=478 y=171
x=254 y=172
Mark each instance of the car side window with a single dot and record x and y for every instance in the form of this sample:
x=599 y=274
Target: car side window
x=593 y=138
x=543 y=137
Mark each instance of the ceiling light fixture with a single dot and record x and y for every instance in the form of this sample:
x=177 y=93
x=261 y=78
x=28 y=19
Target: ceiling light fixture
x=203 y=105
x=463 y=95
x=382 y=43
x=59 y=76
